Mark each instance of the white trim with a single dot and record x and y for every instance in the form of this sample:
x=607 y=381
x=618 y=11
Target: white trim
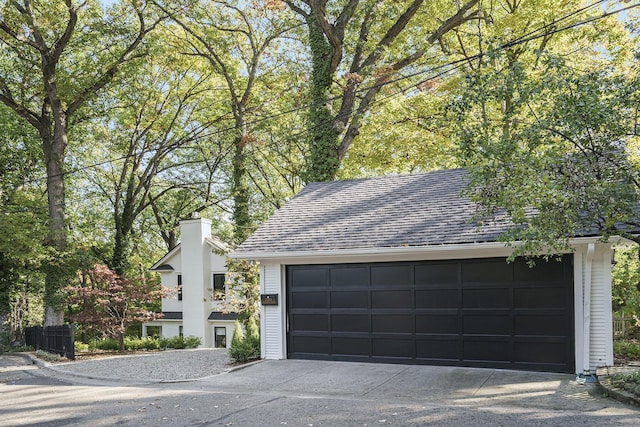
x=578 y=322
x=588 y=265
x=404 y=252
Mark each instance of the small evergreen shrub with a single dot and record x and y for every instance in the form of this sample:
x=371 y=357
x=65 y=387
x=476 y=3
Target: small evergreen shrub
x=245 y=347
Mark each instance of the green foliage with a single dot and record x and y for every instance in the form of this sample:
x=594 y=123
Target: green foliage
x=181 y=342
x=146 y=343
x=107 y=344
x=245 y=347
x=243 y=297
x=625 y=278
x=80 y=347
x=629 y=382
x=555 y=162
x=627 y=349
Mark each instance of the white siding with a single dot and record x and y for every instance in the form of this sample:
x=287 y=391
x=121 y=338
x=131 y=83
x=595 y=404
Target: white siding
x=271 y=323
x=601 y=340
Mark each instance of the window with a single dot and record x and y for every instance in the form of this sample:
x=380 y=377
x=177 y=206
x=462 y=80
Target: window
x=180 y=331
x=154 y=331
x=179 y=287
x=218 y=287
x=220 y=337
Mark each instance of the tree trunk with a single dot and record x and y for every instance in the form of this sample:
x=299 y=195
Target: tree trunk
x=240 y=191
x=322 y=161
x=57 y=274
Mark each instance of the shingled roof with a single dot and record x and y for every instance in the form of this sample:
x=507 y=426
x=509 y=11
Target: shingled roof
x=394 y=211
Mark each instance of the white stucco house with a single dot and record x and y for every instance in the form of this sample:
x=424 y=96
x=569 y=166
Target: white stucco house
x=194 y=272
x=395 y=269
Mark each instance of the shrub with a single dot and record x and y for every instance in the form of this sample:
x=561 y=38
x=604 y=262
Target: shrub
x=104 y=344
x=80 y=346
x=146 y=343
x=245 y=348
x=180 y=342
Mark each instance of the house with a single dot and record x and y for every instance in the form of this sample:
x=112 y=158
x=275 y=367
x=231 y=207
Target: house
x=395 y=270
x=194 y=273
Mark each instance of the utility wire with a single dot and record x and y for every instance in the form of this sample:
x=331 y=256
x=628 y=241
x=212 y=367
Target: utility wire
x=440 y=69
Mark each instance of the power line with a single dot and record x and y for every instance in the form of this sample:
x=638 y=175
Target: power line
x=440 y=71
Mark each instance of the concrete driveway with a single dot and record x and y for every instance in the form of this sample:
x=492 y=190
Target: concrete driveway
x=410 y=383
x=302 y=393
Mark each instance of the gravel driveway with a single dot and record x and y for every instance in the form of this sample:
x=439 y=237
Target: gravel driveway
x=170 y=365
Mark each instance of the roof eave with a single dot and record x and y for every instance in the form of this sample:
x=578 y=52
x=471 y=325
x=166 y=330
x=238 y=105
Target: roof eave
x=396 y=251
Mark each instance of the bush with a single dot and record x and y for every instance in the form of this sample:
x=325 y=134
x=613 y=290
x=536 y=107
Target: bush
x=180 y=342
x=146 y=343
x=245 y=348
x=109 y=344
x=79 y=347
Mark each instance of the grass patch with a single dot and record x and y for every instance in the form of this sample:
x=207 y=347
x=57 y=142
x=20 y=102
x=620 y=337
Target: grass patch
x=628 y=349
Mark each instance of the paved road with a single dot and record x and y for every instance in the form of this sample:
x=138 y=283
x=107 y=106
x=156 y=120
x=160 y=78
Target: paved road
x=306 y=393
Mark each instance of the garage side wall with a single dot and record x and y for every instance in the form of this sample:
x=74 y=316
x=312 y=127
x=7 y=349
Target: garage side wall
x=601 y=339
x=272 y=316
x=593 y=323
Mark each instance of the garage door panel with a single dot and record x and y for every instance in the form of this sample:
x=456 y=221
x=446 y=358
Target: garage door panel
x=350 y=322
x=540 y=324
x=392 y=347
x=486 y=298
x=437 y=298
x=309 y=277
x=310 y=299
x=484 y=312
x=491 y=270
x=540 y=297
x=544 y=271
x=391 y=299
x=309 y=322
x=311 y=344
x=541 y=352
x=351 y=346
x=350 y=299
x=396 y=323
x=393 y=274
x=428 y=274
x=437 y=323
x=487 y=349
x=438 y=349
x=350 y=276
x=487 y=324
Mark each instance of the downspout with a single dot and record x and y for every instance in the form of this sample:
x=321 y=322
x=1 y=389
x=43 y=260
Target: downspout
x=588 y=265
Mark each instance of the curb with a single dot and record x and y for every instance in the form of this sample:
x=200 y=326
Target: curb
x=604 y=385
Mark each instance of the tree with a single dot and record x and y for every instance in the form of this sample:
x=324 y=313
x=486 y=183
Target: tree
x=107 y=303
x=561 y=162
x=56 y=56
x=235 y=41
x=160 y=117
x=367 y=50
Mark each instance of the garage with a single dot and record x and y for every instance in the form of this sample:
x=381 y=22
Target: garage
x=402 y=269
x=473 y=312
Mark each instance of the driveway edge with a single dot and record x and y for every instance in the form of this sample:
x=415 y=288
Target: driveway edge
x=605 y=386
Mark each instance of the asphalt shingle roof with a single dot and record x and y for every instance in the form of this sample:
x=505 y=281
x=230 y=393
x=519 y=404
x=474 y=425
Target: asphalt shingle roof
x=395 y=211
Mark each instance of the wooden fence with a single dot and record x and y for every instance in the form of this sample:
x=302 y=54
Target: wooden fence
x=623 y=326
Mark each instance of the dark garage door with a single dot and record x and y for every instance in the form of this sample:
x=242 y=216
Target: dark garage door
x=478 y=312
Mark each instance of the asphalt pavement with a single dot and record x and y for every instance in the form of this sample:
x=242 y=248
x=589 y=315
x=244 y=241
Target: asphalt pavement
x=307 y=393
